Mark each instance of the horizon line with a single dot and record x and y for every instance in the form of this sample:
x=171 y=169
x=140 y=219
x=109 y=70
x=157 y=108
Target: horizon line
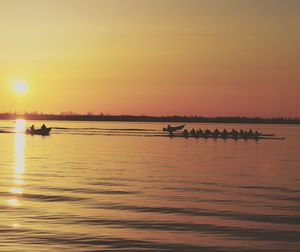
x=101 y=114
x=145 y=118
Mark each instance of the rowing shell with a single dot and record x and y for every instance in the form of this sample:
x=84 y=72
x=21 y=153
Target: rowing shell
x=230 y=137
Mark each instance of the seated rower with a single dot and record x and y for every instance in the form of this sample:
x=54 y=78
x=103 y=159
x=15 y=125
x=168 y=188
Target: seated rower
x=201 y=133
x=193 y=132
x=43 y=127
x=234 y=133
x=185 y=133
x=207 y=132
x=224 y=133
x=216 y=132
x=242 y=132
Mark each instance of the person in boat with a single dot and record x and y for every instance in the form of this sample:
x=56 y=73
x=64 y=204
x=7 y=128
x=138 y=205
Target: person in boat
x=185 y=133
x=224 y=133
x=197 y=134
x=201 y=133
x=216 y=133
x=250 y=132
x=43 y=127
x=193 y=132
x=207 y=132
x=234 y=133
x=168 y=128
x=242 y=133
x=32 y=128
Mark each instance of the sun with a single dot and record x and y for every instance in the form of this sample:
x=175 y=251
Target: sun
x=20 y=87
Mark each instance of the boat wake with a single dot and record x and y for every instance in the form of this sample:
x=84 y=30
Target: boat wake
x=133 y=132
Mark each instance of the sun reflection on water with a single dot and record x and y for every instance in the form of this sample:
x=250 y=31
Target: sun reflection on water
x=16 y=225
x=20 y=125
x=19 y=149
x=19 y=182
x=13 y=202
x=18 y=167
x=16 y=190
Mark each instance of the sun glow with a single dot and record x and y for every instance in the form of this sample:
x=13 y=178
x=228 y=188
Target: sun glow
x=20 y=87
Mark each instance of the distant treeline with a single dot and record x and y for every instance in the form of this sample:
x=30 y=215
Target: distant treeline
x=143 y=118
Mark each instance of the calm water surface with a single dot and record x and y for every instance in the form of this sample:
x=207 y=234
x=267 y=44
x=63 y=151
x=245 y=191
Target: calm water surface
x=94 y=186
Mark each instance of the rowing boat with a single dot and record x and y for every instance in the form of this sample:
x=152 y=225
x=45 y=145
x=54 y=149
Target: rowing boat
x=228 y=137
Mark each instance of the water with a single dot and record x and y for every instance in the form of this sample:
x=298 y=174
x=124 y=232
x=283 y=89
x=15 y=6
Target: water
x=100 y=186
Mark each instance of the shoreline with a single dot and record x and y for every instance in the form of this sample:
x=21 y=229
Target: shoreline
x=162 y=119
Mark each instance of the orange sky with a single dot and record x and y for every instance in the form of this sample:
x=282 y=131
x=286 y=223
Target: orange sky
x=151 y=57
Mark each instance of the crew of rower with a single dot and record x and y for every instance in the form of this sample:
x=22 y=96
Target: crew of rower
x=221 y=134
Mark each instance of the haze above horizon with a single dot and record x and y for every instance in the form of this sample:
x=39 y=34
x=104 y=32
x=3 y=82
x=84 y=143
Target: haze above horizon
x=207 y=58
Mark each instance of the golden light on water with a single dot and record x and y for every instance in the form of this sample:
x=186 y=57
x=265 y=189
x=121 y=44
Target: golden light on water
x=19 y=164
x=19 y=182
x=16 y=190
x=17 y=177
x=19 y=153
x=19 y=128
x=13 y=202
x=16 y=225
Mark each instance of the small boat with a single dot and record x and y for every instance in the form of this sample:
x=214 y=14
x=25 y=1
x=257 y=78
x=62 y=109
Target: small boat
x=173 y=129
x=41 y=132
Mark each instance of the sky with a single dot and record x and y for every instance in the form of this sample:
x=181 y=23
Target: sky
x=183 y=57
